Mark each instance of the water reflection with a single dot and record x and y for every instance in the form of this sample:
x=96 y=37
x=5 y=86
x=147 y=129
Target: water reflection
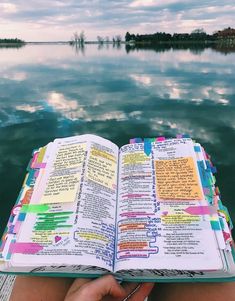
x=78 y=48
x=16 y=46
x=195 y=48
x=49 y=91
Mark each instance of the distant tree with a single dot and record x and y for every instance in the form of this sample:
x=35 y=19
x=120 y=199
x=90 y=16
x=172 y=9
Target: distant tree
x=82 y=38
x=118 y=39
x=100 y=40
x=198 y=31
x=226 y=32
x=107 y=39
x=198 y=34
x=78 y=39
x=127 y=37
x=75 y=38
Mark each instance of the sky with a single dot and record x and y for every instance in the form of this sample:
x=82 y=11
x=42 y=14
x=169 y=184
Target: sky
x=48 y=20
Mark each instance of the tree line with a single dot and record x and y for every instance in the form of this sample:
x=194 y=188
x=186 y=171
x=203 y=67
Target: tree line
x=196 y=35
x=12 y=41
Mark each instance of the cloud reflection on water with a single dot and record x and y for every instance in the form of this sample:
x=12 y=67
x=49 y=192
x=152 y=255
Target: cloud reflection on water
x=50 y=91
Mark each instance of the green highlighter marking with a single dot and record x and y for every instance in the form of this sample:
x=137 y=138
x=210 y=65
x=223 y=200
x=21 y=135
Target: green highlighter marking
x=53 y=218
x=55 y=213
x=50 y=227
x=34 y=208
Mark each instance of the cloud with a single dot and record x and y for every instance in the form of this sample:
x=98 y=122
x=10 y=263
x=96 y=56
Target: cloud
x=59 y=103
x=152 y=3
x=141 y=3
x=53 y=20
x=135 y=114
x=115 y=115
x=144 y=80
x=16 y=76
x=67 y=108
x=8 y=8
x=29 y=108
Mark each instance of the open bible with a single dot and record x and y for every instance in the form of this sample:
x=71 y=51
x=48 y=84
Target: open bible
x=149 y=210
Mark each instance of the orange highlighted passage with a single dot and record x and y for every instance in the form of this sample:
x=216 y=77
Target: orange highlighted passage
x=133 y=245
x=127 y=227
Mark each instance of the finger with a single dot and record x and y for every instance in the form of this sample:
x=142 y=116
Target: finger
x=77 y=284
x=143 y=292
x=129 y=286
x=99 y=288
x=106 y=286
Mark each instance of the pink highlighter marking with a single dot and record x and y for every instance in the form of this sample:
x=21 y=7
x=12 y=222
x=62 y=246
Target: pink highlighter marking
x=133 y=214
x=25 y=248
x=201 y=210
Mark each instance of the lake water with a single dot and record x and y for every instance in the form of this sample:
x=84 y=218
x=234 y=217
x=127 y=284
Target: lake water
x=49 y=91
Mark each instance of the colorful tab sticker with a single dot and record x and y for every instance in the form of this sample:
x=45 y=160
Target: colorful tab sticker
x=41 y=154
x=16 y=209
x=217 y=192
x=197 y=148
x=147 y=146
x=34 y=159
x=203 y=174
x=21 y=217
x=215 y=225
x=206 y=190
x=138 y=140
x=160 y=139
x=221 y=223
x=40 y=165
x=30 y=179
x=17 y=227
x=132 y=141
x=27 y=196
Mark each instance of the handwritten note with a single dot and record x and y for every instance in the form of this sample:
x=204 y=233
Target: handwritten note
x=69 y=156
x=64 y=179
x=177 y=179
x=102 y=168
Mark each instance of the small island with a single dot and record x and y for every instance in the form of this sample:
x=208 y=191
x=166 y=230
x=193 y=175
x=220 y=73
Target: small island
x=14 y=43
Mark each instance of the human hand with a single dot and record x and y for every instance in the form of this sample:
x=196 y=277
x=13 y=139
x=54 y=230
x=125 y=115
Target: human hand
x=106 y=288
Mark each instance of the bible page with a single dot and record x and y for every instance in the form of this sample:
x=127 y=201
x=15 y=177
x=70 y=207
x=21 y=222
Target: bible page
x=71 y=216
x=156 y=229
